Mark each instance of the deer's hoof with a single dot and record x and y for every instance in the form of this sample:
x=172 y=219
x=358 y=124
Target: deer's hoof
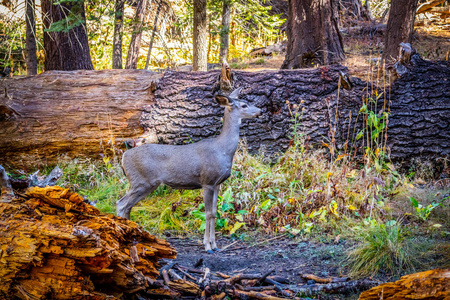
x=209 y=251
x=216 y=249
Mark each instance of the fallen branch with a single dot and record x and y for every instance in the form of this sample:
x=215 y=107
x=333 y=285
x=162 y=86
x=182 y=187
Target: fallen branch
x=426 y=6
x=324 y=280
x=336 y=287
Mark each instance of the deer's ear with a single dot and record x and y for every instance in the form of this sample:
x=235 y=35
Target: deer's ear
x=223 y=100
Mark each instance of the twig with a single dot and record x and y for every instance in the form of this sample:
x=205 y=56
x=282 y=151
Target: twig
x=174 y=275
x=224 y=248
x=185 y=273
x=261 y=280
x=165 y=277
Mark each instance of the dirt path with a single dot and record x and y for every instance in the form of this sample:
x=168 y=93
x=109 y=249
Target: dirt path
x=289 y=257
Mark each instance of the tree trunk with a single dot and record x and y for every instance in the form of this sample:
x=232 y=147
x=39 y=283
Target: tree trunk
x=200 y=39
x=65 y=50
x=135 y=43
x=355 y=8
x=400 y=27
x=316 y=38
x=118 y=34
x=225 y=31
x=155 y=27
x=76 y=112
x=64 y=248
x=31 y=38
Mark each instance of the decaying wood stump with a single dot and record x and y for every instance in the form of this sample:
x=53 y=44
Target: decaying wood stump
x=55 y=246
x=433 y=284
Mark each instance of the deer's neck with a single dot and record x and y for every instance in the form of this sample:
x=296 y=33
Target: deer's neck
x=229 y=137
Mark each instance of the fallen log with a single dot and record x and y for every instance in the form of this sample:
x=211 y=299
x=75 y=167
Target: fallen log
x=95 y=108
x=55 y=246
x=73 y=113
x=433 y=284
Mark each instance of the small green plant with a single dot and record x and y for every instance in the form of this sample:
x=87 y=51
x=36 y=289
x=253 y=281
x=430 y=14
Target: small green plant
x=260 y=61
x=240 y=66
x=422 y=211
x=384 y=248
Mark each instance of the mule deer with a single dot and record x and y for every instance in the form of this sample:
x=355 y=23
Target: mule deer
x=205 y=164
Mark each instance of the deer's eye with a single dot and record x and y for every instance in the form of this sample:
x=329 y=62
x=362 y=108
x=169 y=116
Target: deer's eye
x=244 y=105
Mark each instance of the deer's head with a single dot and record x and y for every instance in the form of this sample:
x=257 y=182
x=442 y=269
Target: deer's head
x=237 y=106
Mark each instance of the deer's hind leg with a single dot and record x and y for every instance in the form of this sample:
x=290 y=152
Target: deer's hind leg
x=136 y=193
x=208 y=198
x=212 y=232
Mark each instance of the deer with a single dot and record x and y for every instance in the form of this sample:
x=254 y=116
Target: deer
x=202 y=165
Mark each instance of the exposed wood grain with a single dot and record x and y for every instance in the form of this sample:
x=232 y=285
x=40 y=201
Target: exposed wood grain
x=433 y=284
x=77 y=113
x=55 y=246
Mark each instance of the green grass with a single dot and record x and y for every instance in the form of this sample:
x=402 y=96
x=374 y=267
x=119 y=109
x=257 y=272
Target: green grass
x=385 y=247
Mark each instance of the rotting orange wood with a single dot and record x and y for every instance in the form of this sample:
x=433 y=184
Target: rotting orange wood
x=433 y=284
x=54 y=245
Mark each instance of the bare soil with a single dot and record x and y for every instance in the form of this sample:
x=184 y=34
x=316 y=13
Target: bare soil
x=288 y=257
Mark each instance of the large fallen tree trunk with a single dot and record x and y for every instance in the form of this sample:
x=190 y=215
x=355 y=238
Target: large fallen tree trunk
x=55 y=246
x=69 y=112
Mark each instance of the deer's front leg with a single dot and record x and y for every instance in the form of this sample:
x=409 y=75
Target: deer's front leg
x=212 y=231
x=208 y=196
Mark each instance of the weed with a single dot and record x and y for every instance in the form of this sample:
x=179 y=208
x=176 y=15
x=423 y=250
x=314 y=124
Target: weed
x=239 y=66
x=422 y=211
x=259 y=61
x=384 y=248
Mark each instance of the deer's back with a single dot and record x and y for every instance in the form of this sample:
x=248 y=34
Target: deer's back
x=188 y=166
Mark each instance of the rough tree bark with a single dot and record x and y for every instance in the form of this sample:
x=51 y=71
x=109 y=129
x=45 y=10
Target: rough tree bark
x=225 y=31
x=419 y=125
x=200 y=37
x=190 y=95
x=65 y=50
x=355 y=8
x=181 y=109
x=313 y=34
x=400 y=27
x=135 y=43
x=118 y=34
x=74 y=113
x=31 y=38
